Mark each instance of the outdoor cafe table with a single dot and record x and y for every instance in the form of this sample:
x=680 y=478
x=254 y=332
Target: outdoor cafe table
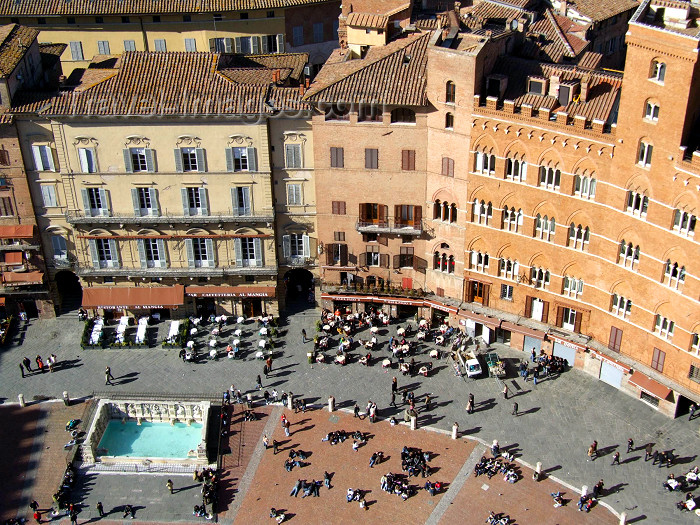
x=96 y=331
x=141 y=330
x=174 y=329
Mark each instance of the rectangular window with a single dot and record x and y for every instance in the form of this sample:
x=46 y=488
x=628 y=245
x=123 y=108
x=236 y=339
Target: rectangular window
x=189 y=159
x=190 y=45
x=408 y=160
x=318 y=32
x=60 y=248
x=87 y=158
x=146 y=201
x=76 y=50
x=645 y=151
x=43 y=158
x=406 y=257
x=129 y=45
x=338 y=207
x=298 y=36
x=694 y=373
x=506 y=292
x=657 y=360
x=648 y=398
x=138 y=159
x=105 y=255
x=371 y=158
x=240 y=159
x=156 y=19
x=159 y=45
x=337 y=158
x=372 y=255
x=125 y=20
x=6 y=209
x=294 y=196
x=243 y=45
x=339 y=236
x=95 y=202
x=370 y=113
x=201 y=255
x=615 y=341
x=695 y=343
x=48 y=194
x=152 y=253
x=448 y=167
x=292 y=155
x=248 y=252
x=4 y=157
x=241 y=201
x=103 y=47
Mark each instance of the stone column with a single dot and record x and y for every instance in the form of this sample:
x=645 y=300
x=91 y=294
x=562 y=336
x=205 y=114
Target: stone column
x=331 y=403
x=414 y=422
x=455 y=430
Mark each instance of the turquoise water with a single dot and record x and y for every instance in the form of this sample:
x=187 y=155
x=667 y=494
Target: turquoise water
x=154 y=440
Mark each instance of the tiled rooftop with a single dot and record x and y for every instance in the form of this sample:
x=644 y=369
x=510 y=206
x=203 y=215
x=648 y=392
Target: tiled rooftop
x=185 y=83
x=554 y=37
x=367 y=20
x=14 y=40
x=137 y=7
x=393 y=74
x=597 y=10
x=678 y=16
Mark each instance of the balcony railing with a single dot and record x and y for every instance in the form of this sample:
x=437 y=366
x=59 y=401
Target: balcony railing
x=394 y=227
x=168 y=218
x=297 y=261
x=89 y=271
x=18 y=247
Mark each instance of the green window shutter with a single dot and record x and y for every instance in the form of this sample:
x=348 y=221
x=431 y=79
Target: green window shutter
x=245 y=193
x=306 y=245
x=201 y=160
x=150 y=160
x=280 y=43
x=255 y=45
x=252 y=160
x=114 y=252
x=286 y=246
x=104 y=203
x=211 y=256
x=239 y=252
x=162 y=255
x=178 y=160
x=229 y=159
x=94 y=255
x=257 y=244
x=155 y=208
x=189 y=247
x=141 y=243
x=234 y=201
x=185 y=202
x=86 y=202
x=135 y=201
x=203 y=201
x=128 y=166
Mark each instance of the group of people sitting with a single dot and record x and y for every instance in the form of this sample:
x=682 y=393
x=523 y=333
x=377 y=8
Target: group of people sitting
x=356 y=495
x=492 y=466
x=295 y=459
x=397 y=484
x=209 y=480
x=414 y=461
x=339 y=436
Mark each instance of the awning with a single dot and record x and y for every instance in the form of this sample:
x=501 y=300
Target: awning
x=230 y=291
x=142 y=297
x=13 y=258
x=398 y=300
x=22 y=279
x=441 y=307
x=519 y=329
x=650 y=386
x=340 y=268
x=347 y=298
x=491 y=322
x=17 y=231
x=566 y=343
x=614 y=362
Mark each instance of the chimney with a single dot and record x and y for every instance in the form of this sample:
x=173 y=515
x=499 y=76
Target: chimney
x=554 y=86
x=563 y=7
x=307 y=82
x=301 y=90
x=458 y=6
x=585 y=82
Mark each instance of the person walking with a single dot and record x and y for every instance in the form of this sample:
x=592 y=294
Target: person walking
x=693 y=408
x=286 y=427
x=648 y=451
x=505 y=391
x=275 y=447
x=169 y=485
x=593 y=451
x=21 y=369
x=391 y=404
x=394 y=385
x=100 y=509
x=303 y=336
x=356 y=411
x=327 y=480
x=470 y=404
x=616 y=459
x=258 y=383
x=630 y=445
x=268 y=362
x=515 y=409
x=598 y=489
x=37 y=516
x=27 y=364
x=427 y=401
x=108 y=376
x=265 y=370
x=266 y=441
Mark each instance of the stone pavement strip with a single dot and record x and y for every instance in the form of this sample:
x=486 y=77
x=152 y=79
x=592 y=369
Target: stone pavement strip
x=559 y=417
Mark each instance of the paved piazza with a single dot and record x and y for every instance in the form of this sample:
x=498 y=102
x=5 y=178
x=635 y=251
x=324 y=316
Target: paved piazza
x=558 y=419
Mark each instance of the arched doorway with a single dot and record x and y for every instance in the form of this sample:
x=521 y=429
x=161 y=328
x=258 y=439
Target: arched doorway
x=299 y=287
x=70 y=292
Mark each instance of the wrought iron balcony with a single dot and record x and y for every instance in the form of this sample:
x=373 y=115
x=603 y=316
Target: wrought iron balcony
x=78 y=218
x=297 y=261
x=394 y=227
x=89 y=271
x=18 y=247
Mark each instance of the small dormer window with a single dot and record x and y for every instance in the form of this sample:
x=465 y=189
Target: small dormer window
x=537 y=86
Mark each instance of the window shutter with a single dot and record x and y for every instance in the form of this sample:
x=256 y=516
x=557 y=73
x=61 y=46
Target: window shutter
x=368 y=158
x=201 y=160
x=257 y=244
x=247 y=201
x=577 y=322
x=229 y=159
x=397 y=261
x=363 y=259
x=237 y=41
x=141 y=243
x=560 y=316
x=162 y=255
x=280 y=43
x=411 y=159
x=239 y=251
x=487 y=291
x=38 y=165
x=528 y=306
x=404 y=159
x=384 y=260
x=114 y=253
x=211 y=256
x=86 y=202
x=478 y=162
x=305 y=241
x=94 y=255
x=343 y=254
x=185 y=202
x=341 y=208
x=155 y=208
x=150 y=160
x=264 y=45
x=419 y=264
x=189 y=248
x=475 y=259
x=545 y=311
x=330 y=250
x=135 y=201
x=104 y=203
x=383 y=240
x=234 y=201
x=252 y=160
x=49 y=156
x=397 y=212
x=128 y=166
x=286 y=248
x=255 y=43
x=190 y=45
x=178 y=160
x=417 y=215
x=203 y=201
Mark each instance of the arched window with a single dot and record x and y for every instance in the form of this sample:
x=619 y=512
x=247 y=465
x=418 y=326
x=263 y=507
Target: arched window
x=451 y=264
x=578 y=236
x=539 y=277
x=449 y=121
x=629 y=255
x=436 y=261
x=509 y=269
x=443 y=263
x=684 y=223
x=651 y=110
x=453 y=212
x=484 y=163
x=621 y=306
x=658 y=71
x=674 y=274
x=584 y=186
x=637 y=203
x=437 y=209
x=403 y=116
x=545 y=227
x=572 y=287
x=480 y=261
x=516 y=169
x=550 y=178
x=512 y=220
x=450 y=92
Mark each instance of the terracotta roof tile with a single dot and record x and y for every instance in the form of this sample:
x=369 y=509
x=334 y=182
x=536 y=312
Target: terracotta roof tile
x=554 y=37
x=137 y=7
x=393 y=74
x=598 y=10
x=141 y=83
x=490 y=10
x=379 y=7
x=294 y=62
x=14 y=41
x=367 y=20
